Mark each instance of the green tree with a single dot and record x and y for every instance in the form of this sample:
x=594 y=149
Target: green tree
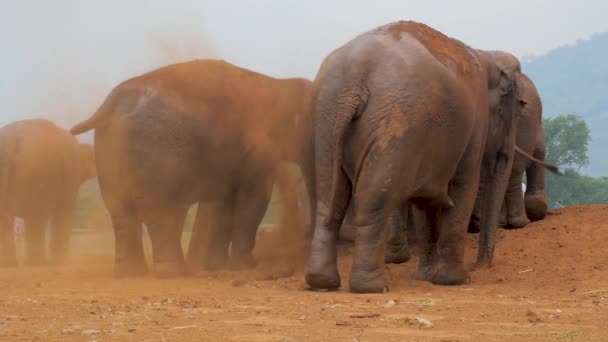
x=567 y=138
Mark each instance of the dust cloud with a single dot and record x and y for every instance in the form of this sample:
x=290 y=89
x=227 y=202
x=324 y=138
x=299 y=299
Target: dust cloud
x=68 y=55
x=77 y=52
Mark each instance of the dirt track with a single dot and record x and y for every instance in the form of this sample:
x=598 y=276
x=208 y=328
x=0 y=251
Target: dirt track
x=550 y=283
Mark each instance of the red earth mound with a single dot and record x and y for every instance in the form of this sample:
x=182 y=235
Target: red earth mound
x=549 y=283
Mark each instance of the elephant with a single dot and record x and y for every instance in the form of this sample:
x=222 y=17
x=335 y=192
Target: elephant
x=202 y=131
x=41 y=169
x=531 y=140
x=520 y=209
x=402 y=115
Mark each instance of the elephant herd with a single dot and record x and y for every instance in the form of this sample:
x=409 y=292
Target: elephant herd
x=407 y=137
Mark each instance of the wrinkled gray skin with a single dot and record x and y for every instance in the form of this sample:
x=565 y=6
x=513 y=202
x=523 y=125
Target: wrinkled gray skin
x=202 y=131
x=402 y=116
x=531 y=139
x=41 y=169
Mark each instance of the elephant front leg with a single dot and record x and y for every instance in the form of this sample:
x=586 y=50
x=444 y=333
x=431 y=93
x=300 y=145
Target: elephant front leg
x=220 y=234
x=35 y=237
x=398 y=248
x=8 y=253
x=129 y=259
x=61 y=229
x=426 y=224
x=165 y=230
x=514 y=203
x=251 y=205
x=199 y=236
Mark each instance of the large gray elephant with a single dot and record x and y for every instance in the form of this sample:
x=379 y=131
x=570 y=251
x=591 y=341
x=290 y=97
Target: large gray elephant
x=201 y=131
x=530 y=148
x=402 y=116
x=41 y=169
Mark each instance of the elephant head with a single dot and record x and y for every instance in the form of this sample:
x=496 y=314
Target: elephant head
x=505 y=108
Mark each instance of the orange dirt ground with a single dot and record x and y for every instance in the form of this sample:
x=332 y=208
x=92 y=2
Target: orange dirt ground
x=549 y=283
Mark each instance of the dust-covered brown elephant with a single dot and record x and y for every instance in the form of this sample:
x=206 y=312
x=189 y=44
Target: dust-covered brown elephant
x=41 y=169
x=201 y=131
x=402 y=116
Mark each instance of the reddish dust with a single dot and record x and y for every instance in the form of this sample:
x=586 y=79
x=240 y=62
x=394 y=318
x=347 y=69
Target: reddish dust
x=448 y=50
x=550 y=283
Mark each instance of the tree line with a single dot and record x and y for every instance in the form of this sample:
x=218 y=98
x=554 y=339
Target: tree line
x=567 y=138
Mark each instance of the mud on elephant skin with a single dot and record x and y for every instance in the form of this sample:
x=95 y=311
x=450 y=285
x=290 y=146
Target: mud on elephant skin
x=203 y=131
x=41 y=169
x=406 y=122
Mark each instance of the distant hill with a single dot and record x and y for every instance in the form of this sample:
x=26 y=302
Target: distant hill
x=573 y=79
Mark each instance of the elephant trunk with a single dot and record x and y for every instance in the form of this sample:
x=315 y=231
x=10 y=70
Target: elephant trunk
x=494 y=180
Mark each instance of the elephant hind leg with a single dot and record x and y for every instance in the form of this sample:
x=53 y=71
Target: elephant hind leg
x=129 y=259
x=165 y=228
x=8 y=253
x=323 y=262
x=371 y=213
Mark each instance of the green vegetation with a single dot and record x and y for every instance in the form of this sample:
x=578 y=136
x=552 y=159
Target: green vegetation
x=567 y=138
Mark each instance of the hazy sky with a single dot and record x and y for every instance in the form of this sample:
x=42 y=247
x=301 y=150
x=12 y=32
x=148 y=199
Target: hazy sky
x=60 y=58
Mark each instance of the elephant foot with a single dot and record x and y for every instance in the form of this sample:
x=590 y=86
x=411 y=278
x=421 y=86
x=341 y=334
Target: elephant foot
x=502 y=222
x=397 y=254
x=536 y=206
x=323 y=280
x=170 y=269
x=361 y=282
x=244 y=262
x=449 y=274
x=127 y=269
x=517 y=222
x=482 y=264
x=7 y=262
x=424 y=273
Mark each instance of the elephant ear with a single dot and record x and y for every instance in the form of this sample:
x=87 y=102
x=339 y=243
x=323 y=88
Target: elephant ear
x=507 y=80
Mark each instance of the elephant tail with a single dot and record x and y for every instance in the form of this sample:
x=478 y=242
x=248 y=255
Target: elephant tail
x=125 y=97
x=549 y=167
x=347 y=107
x=101 y=115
